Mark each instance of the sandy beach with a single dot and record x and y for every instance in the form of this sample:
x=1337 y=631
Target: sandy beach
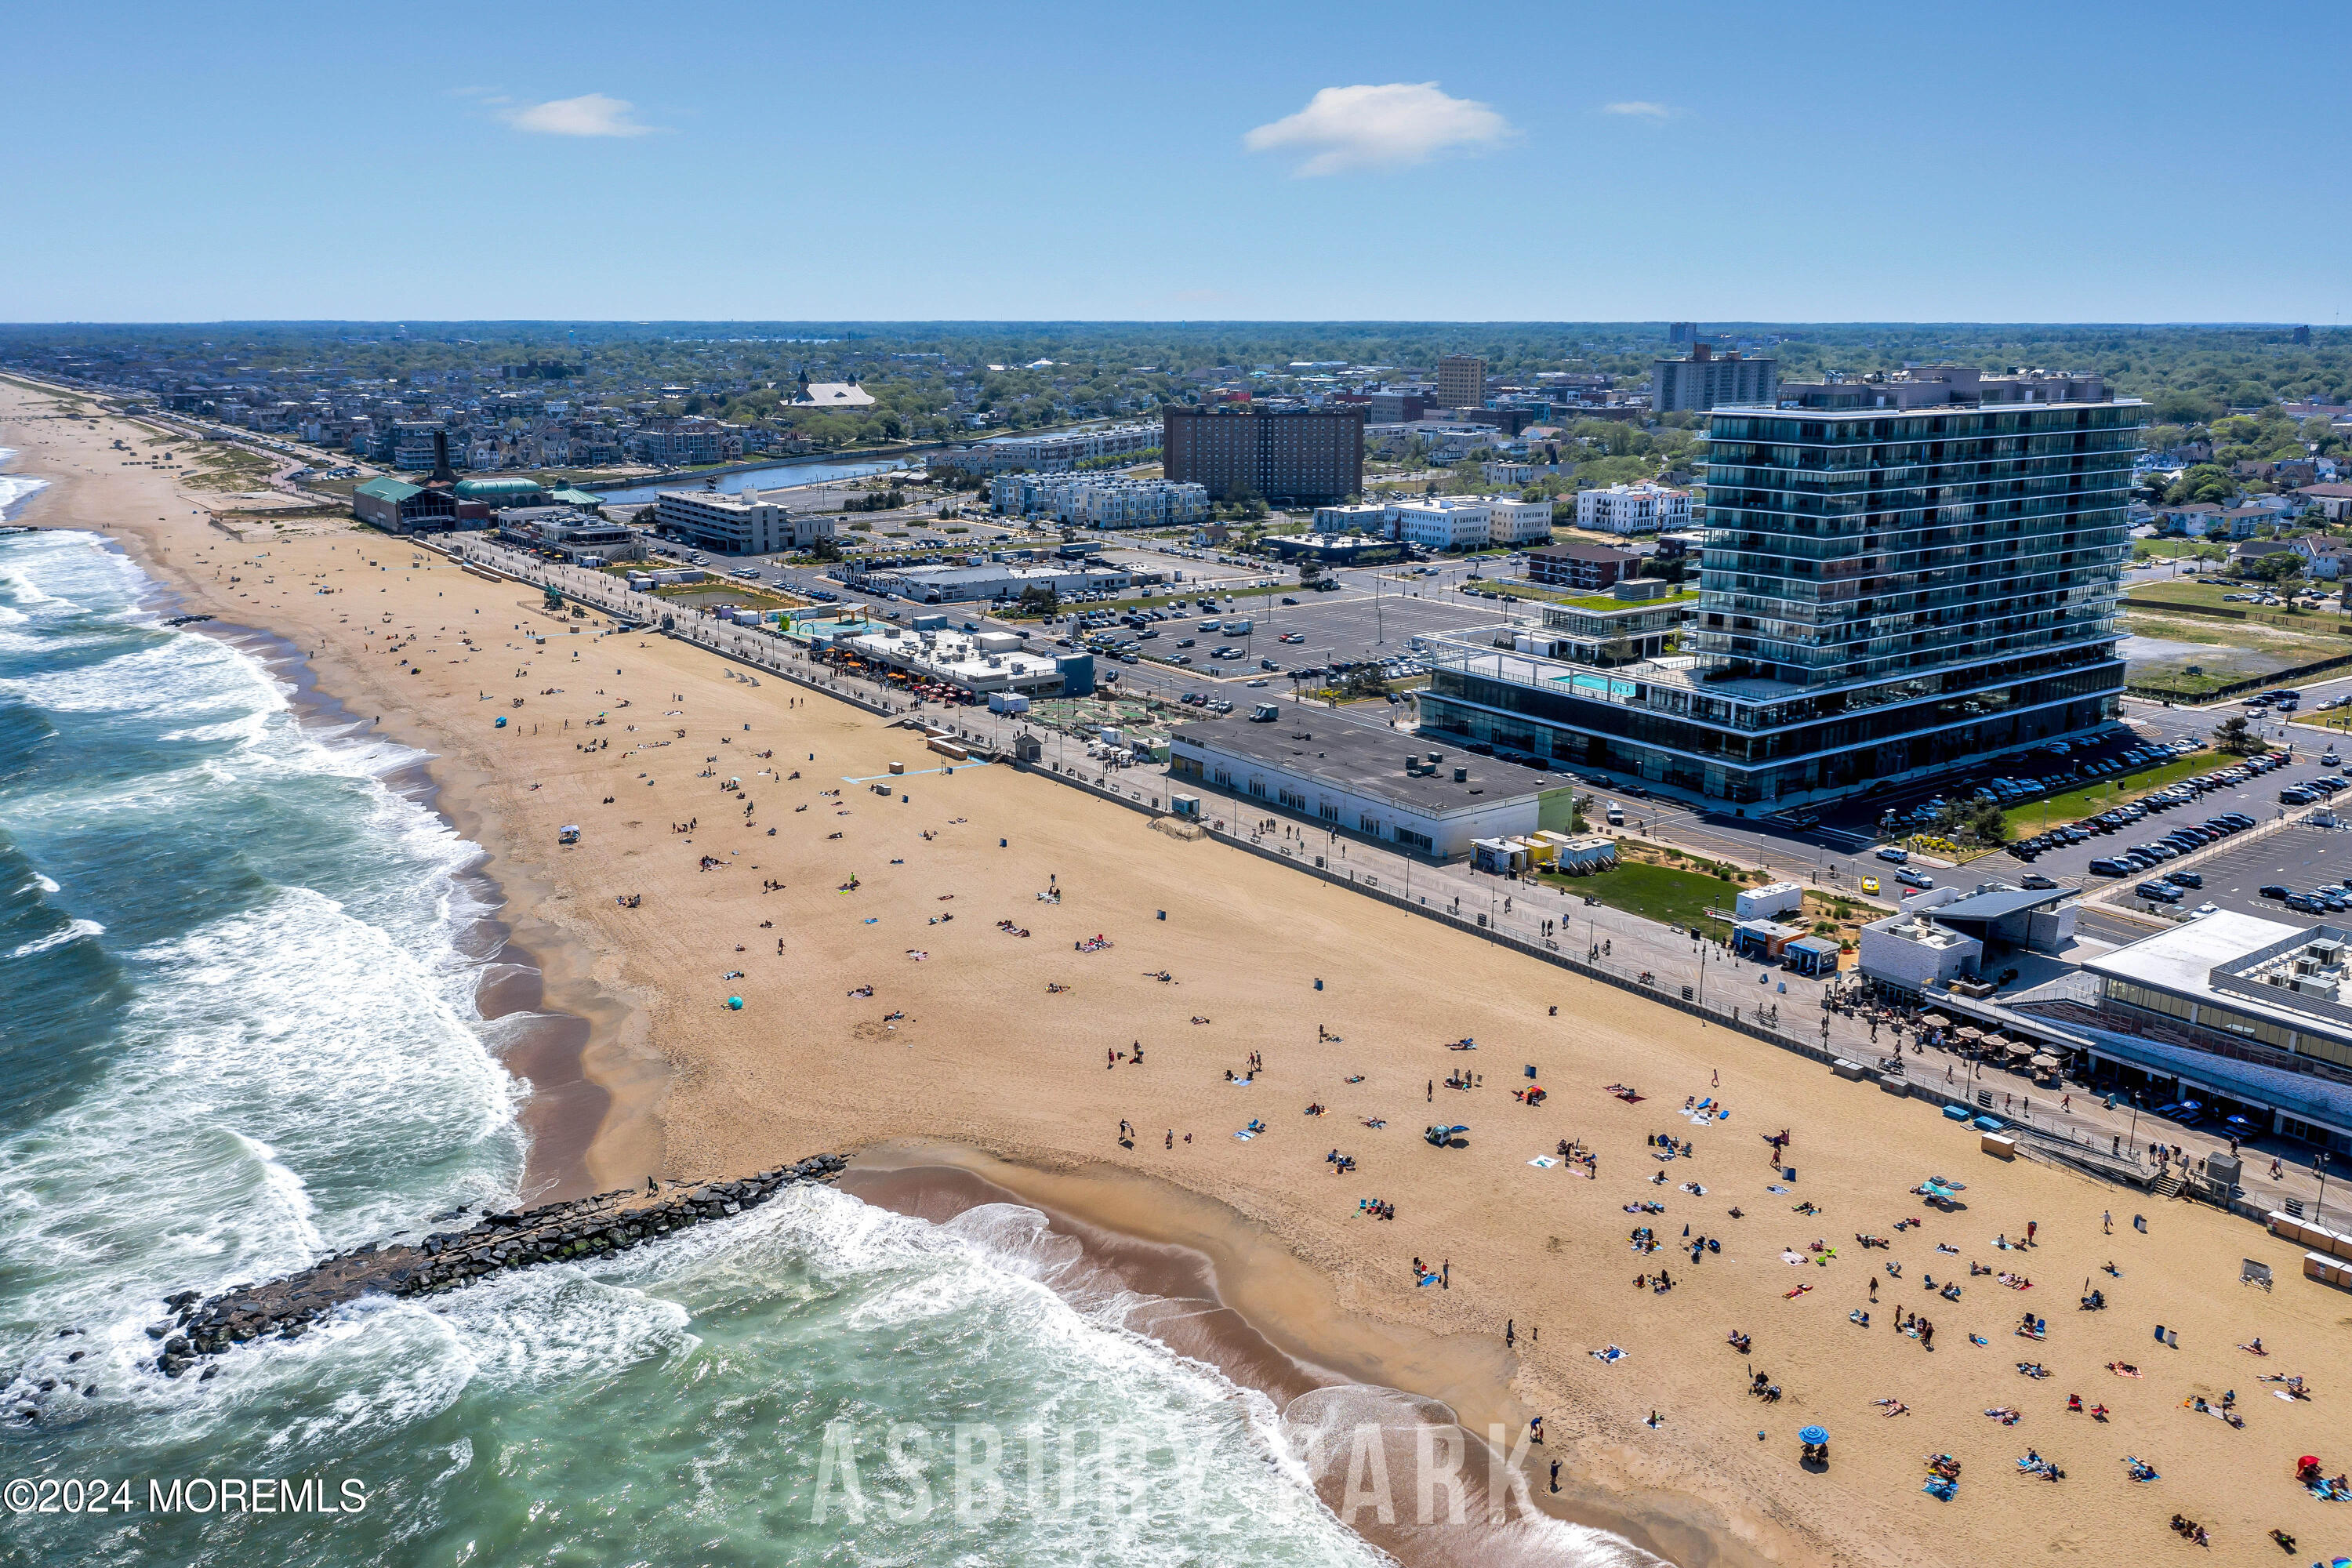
x=887 y=1007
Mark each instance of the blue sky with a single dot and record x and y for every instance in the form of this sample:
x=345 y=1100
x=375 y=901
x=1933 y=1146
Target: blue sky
x=2048 y=161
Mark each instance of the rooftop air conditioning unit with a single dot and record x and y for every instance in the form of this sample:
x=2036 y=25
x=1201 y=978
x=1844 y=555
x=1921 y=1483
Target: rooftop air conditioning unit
x=2327 y=954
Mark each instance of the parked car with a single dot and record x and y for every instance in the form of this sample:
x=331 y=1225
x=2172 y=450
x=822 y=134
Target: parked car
x=1894 y=855
x=2157 y=892
x=2184 y=879
x=2110 y=867
x=1911 y=878
x=2036 y=880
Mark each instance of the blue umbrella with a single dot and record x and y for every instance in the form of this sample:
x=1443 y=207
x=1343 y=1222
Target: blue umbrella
x=1813 y=1435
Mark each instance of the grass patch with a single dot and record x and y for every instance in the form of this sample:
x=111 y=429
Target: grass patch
x=2107 y=794
x=1658 y=893
x=2177 y=549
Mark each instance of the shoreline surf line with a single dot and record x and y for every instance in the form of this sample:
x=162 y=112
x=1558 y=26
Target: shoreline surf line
x=1219 y=1289
x=562 y=1050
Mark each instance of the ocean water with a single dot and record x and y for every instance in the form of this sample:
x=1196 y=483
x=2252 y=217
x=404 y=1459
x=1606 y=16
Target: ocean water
x=237 y=1029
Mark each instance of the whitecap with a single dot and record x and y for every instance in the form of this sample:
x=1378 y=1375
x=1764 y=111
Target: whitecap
x=72 y=931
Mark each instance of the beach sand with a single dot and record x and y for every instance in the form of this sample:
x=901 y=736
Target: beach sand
x=963 y=1057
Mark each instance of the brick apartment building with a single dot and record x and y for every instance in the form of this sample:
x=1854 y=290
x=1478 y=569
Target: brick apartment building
x=1590 y=567
x=1291 y=455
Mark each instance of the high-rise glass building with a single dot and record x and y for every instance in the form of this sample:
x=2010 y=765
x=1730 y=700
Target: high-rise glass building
x=1898 y=576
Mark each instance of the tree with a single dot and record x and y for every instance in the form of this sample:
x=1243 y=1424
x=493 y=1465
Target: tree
x=2277 y=567
x=2232 y=735
x=1040 y=600
x=2181 y=405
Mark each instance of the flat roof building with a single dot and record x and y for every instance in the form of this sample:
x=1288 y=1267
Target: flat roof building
x=1461 y=381
x=1883 y=595
x=1706 y=381
x=1285 y=455
x=2256 y=1011
x=1586 y=567
x=739 y=523
x=992 y=580
x=1392 y=785
x=974 y=665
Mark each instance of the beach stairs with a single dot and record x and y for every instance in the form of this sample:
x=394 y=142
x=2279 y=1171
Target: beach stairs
x=2166 y=1186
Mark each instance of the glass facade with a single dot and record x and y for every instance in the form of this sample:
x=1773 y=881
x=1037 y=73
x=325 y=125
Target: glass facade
x=1880 y=592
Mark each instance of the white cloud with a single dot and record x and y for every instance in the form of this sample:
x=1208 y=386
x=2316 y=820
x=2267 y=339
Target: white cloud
x=590 y=114
x=1639 y=110
x=1393 y=126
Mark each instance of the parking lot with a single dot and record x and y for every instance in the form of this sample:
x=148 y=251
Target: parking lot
x=2300 y=856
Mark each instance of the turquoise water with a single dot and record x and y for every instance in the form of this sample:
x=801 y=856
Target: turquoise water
x=236 y=1030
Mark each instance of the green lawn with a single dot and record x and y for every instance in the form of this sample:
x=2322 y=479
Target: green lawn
x=2169 y=549
x=2104 y=794
x=1658 y=893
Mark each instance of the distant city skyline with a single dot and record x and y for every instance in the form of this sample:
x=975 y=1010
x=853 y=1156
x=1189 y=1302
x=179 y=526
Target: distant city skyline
x=1711 y=162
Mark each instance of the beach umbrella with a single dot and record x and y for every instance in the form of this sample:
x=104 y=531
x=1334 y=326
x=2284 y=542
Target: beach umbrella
x=1935 y=1020
x=2045 y=1060
x=735 y=1003
x=1813 y=1435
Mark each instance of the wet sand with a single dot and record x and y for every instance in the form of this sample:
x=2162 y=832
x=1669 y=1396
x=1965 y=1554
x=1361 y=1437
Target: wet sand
x=963 y=1041
x=1214 y=1288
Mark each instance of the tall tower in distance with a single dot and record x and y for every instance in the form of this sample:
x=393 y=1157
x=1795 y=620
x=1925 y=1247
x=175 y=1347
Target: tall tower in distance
x=1461 y=382
x=1681 y=332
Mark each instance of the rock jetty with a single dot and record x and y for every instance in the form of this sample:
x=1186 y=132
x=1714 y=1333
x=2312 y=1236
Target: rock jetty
x=449 y=1260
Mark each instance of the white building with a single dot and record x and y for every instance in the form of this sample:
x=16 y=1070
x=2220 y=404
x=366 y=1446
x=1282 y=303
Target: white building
x=741 y=523
x=1518 y=521
x=833 y=395
x=1441 y=522
x=1063 y=449
x=991 y=661
x=1632 y=508
x=1099 y=501
x=945 y=585
x=1355 y=517
x=1373 y=783
x=1502 y=473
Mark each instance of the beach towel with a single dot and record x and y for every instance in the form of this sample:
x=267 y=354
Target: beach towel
x=1793 y=1295
x=1610 y=1354
x=1939 y=1489
x=1543 y=1162
x=1244 y=1134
